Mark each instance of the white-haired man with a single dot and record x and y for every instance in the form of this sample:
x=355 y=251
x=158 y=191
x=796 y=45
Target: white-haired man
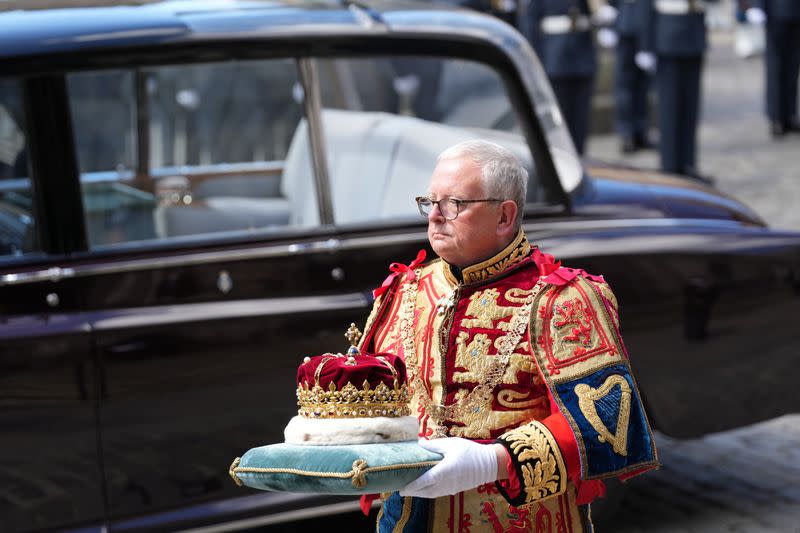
x=519 y=377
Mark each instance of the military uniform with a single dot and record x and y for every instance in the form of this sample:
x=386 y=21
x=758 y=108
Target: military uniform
x=561 y=33
x=631 y=83
x=675 y=32
x=783 y=62
x=521 y=351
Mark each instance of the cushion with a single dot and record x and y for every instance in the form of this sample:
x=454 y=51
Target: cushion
x=350 y=469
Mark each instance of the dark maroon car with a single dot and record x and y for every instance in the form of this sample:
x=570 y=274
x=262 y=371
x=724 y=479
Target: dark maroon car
x=194 y=195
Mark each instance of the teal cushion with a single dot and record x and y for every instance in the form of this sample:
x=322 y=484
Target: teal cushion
x=354 y=469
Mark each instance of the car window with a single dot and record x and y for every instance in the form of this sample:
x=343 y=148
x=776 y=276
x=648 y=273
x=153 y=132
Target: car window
x=386 y=119
x=17 y=217
x=173 y=152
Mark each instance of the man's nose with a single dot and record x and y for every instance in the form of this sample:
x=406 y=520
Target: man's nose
x=436 y=214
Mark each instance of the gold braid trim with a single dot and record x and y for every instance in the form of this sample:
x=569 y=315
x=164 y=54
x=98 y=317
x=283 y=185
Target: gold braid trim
x=357 y=474
x=404 y=516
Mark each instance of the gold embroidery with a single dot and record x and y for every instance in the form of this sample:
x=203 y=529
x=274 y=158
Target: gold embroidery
x=484 y=307
x=543 y=470
x=587 y=398
x=476 y=359
x=491 y=511
x=575 y=335
x=512 y=254
x=517 y=400
x=479 y=396
x=479 y=423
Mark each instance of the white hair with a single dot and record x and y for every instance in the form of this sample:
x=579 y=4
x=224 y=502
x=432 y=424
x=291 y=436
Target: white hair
x=503 y=175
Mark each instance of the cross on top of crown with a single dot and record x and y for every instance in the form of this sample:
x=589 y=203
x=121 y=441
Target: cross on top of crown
x=353 y=335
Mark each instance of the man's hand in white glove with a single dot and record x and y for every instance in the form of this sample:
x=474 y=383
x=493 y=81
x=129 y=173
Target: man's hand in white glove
x=466 y=465
x=755 y=15
x=607 y=38
x=646 y=61
x=605 y=14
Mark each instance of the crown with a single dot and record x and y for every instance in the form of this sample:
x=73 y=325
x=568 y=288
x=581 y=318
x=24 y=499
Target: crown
x=354 y=385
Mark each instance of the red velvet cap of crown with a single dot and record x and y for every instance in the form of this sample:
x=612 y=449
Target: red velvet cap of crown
x=347 y=386
x=342 y=369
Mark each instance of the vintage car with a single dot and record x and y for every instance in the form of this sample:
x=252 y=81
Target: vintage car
x=194 y=195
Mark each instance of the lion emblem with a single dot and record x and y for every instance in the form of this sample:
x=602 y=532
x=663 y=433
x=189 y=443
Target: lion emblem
x=486 y=311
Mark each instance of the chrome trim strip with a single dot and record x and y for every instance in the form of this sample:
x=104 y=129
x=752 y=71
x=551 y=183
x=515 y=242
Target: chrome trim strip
x=354 y=243
x=316 y=138
x=218 y=168
x=138 y=317
x=280 y=518
x=53 y=274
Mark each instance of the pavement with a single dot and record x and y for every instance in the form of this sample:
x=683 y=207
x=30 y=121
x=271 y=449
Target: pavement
x=748 y=479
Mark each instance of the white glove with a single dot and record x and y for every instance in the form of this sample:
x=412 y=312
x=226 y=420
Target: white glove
x=466 y=465
x=607 y=38
x=755 y=15
x=605 y=14
x=646 y=61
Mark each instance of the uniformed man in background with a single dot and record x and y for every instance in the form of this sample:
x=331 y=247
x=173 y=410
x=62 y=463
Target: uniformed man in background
x=631 y=83
x=561 y=33
x=674 y=44
x=782 y=19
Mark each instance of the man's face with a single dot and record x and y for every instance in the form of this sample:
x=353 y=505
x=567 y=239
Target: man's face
x=472 y=236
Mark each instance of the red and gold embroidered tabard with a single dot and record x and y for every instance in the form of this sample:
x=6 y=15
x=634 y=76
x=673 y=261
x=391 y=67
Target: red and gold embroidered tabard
x=562 y=401
x=473 y=374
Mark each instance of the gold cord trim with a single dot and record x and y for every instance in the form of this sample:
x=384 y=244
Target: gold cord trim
x=358 y=471
x=232 y=472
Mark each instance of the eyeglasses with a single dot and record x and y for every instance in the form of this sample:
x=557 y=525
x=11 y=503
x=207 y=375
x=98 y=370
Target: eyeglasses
x=449 y=207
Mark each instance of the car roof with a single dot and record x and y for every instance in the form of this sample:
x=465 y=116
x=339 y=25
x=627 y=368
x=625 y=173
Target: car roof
x=41 y=27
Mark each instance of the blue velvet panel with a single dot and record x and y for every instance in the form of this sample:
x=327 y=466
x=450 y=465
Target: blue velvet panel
x=600 y=458
x=392 y=513
x=313 y=462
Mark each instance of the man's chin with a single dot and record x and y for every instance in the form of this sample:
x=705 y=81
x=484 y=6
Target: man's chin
x=442 y=249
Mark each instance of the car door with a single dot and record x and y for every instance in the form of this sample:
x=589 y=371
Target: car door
x=203 y=288
x=49 y=459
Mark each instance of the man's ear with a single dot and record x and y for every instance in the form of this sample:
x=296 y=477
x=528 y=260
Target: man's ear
x=508 y=215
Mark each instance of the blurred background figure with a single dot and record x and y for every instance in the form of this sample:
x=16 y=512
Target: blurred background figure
x=782 y=19
x=631 y=83
x=749 y=41
x=674 y=44
x=505 y=10
x=561 y=33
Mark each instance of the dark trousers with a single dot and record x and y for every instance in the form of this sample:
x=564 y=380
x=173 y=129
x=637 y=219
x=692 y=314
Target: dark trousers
x=678 y=86
x=783 y=68
x=630 y=91
x=574 y=95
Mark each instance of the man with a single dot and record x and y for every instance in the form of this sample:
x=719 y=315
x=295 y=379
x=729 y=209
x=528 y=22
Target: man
x=561 y=33
x=517 y=372
x=674 y=37
x=782 y=57
x=631 y=83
